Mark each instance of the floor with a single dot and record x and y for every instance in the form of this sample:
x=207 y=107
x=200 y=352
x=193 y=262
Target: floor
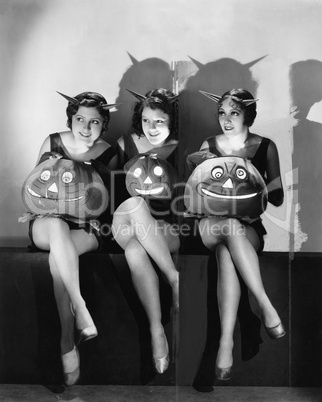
x=95 y=393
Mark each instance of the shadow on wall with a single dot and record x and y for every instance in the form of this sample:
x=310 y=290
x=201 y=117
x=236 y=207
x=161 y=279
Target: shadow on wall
x=141 y=76
x=306 y=90
x=197 y=118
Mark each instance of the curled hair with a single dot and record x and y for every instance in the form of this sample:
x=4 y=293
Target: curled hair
x=158 y=99
x=237 y=96
x=89 y=99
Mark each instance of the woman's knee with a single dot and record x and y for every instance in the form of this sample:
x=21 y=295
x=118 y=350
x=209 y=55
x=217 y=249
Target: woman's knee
x=209 y=230
x=222 y=252
x=211 y=241
x=131 y=205
x=232 y=227
x=125 y=214
x=134 y=250
x=56 y=225
x=44 y=229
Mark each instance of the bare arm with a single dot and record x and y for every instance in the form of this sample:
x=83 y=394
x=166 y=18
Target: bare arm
x=120 y=152
x=204 y=146
x=274 y=181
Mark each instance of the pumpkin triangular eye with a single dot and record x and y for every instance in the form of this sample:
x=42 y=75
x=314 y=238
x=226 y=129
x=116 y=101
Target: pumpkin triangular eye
x=158 y=171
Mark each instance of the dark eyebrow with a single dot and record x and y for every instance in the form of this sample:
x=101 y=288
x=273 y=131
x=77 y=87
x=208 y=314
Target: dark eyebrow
x=93 y=118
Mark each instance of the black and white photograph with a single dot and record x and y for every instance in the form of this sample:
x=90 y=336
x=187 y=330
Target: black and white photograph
x=161 y=200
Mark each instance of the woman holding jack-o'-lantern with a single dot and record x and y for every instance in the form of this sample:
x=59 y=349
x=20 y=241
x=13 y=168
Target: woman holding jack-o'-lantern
x=65 y=236
x=238 y=239
x=147 y=212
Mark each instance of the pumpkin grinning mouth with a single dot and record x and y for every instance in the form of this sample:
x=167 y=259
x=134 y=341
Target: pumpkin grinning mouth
x=154 y=191
x=66 y=200
x=234 y=197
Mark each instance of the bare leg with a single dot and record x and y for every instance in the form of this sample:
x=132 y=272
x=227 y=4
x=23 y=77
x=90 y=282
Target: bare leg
x=133 y=217
x=246 y=260
x=65 y=246
x=66 y=317
x=146 y=283
x=241 y=243
x=228 y=293
x=141 y=236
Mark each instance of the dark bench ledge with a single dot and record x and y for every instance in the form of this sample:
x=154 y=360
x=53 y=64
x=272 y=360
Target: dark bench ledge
x=121 y=354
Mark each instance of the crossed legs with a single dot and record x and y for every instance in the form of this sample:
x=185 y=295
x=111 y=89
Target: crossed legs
x=141 y=237
x=65 y=246
x=236 y=247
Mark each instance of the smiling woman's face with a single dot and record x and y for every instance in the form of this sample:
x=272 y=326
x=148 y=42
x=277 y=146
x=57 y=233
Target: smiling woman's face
x=155 y=125
x=87 y=125
x=231 y=117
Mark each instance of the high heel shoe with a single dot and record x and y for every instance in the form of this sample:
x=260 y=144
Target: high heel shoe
x=71 y=368
x=223 y=374
x=161 y=364
x=86 y=334
x=275 y=332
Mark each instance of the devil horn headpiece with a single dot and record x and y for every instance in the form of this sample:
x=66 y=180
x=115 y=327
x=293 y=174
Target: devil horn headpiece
x=217 y=98
x=74 y=101
x=137 y=95
x=248 y=102
x=173 y=98
x=106 y=106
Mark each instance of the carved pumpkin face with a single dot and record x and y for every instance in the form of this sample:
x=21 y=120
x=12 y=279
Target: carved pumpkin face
x=149 y=176
x=227 y=185
x=65 y=187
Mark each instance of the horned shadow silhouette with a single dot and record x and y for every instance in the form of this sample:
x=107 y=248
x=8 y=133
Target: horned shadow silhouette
x=197 y=116
x=141 y=76
x=306 y=90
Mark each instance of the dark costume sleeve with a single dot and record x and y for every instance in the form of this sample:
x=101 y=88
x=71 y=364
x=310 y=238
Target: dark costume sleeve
x=130 y=150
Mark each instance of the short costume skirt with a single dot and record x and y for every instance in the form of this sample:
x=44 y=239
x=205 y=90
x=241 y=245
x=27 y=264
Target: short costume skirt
x=103 y=241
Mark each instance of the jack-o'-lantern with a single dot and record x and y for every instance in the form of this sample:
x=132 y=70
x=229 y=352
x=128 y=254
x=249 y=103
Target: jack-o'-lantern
x=65 y=187
x=149 y=176
x=225 y=186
